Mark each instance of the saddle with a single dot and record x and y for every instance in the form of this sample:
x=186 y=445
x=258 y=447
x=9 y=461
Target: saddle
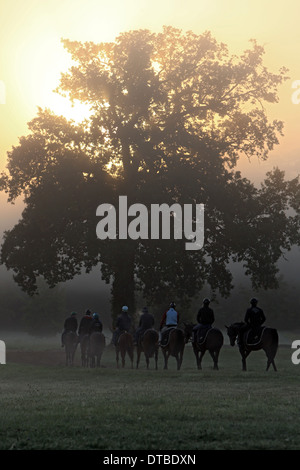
x=166 y=336
x=253 y=336
x=201 y=334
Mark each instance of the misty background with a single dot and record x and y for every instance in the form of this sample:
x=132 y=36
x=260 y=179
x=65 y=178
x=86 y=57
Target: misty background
x=44 y=314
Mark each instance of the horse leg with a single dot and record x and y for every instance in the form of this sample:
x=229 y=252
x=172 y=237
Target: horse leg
x=72 y=357
x=130 y=354
x=215 y=355
x=200 y=359
x=273 y=364
x=138 y=357
x=197 y=352
x=244 y=355
x=196 y=356
x=166 y=356
x=270 y=353
x=147 y=360
x=156 y=358
x=271 y=361
x=179 y=360
x=117 y=357
x=68 y=358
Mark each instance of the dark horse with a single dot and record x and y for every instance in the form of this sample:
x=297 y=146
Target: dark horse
x=268 y=341
x=212 y=342
x=149 y=345
x=84 y=344
x=123 y=346
x=95 y=348
x=175 y=346
x=70 y=342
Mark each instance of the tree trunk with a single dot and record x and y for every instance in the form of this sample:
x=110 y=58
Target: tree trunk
x=123 y=286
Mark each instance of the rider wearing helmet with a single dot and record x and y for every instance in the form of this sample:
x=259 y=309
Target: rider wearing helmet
x=205 y=315
x=123 y=324
x=96 y=324
x=85 y=324
x=255 y=316
x=169 y=319
x=146 y=322
x=205 y=319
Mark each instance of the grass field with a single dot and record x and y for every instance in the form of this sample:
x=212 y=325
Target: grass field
x=50 y=406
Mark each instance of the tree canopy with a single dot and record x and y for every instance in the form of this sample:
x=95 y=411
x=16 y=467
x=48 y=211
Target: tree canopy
x=170 y=115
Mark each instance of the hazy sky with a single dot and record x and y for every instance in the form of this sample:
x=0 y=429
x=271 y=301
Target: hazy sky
x=32 y=56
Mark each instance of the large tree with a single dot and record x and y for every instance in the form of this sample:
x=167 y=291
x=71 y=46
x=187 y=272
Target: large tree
x=171 y=114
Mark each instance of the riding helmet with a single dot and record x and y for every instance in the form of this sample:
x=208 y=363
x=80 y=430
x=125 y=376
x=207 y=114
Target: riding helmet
x=206 y=301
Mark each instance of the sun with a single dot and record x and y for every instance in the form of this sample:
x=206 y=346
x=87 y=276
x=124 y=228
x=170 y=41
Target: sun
x=62 y=106
x=38 y=69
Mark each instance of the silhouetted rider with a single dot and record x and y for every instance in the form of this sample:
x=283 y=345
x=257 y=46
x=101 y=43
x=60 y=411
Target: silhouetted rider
x=70 y=324
x=123 y=324
x=205 y=318
x=146 y=322
x=85 y=324
x=96 y=324
x=255 y=316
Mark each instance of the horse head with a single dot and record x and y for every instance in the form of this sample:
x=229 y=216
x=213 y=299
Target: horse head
x=232 y=332
x=188 y=330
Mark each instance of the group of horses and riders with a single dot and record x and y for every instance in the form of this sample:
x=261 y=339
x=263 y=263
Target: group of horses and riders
x=90 y=338
x=250 y=335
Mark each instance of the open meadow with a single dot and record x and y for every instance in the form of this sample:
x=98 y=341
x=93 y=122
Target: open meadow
x=46 y=405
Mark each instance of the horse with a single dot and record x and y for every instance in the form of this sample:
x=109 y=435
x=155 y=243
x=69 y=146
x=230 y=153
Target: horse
x=71 y=342
x=268 y=341
x=96 y=348
x=149 y=345
x=84 y=344
x=125 y=345
x=175 y=346
x=212 y=342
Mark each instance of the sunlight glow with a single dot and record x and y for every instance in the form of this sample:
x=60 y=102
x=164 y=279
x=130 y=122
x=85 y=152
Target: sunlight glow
x=38 y=68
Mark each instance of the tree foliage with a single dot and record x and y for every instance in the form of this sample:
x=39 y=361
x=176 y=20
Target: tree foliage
x=171 y=114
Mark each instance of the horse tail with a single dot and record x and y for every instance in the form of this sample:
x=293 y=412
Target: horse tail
x=275 y=341
x=152 y=344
